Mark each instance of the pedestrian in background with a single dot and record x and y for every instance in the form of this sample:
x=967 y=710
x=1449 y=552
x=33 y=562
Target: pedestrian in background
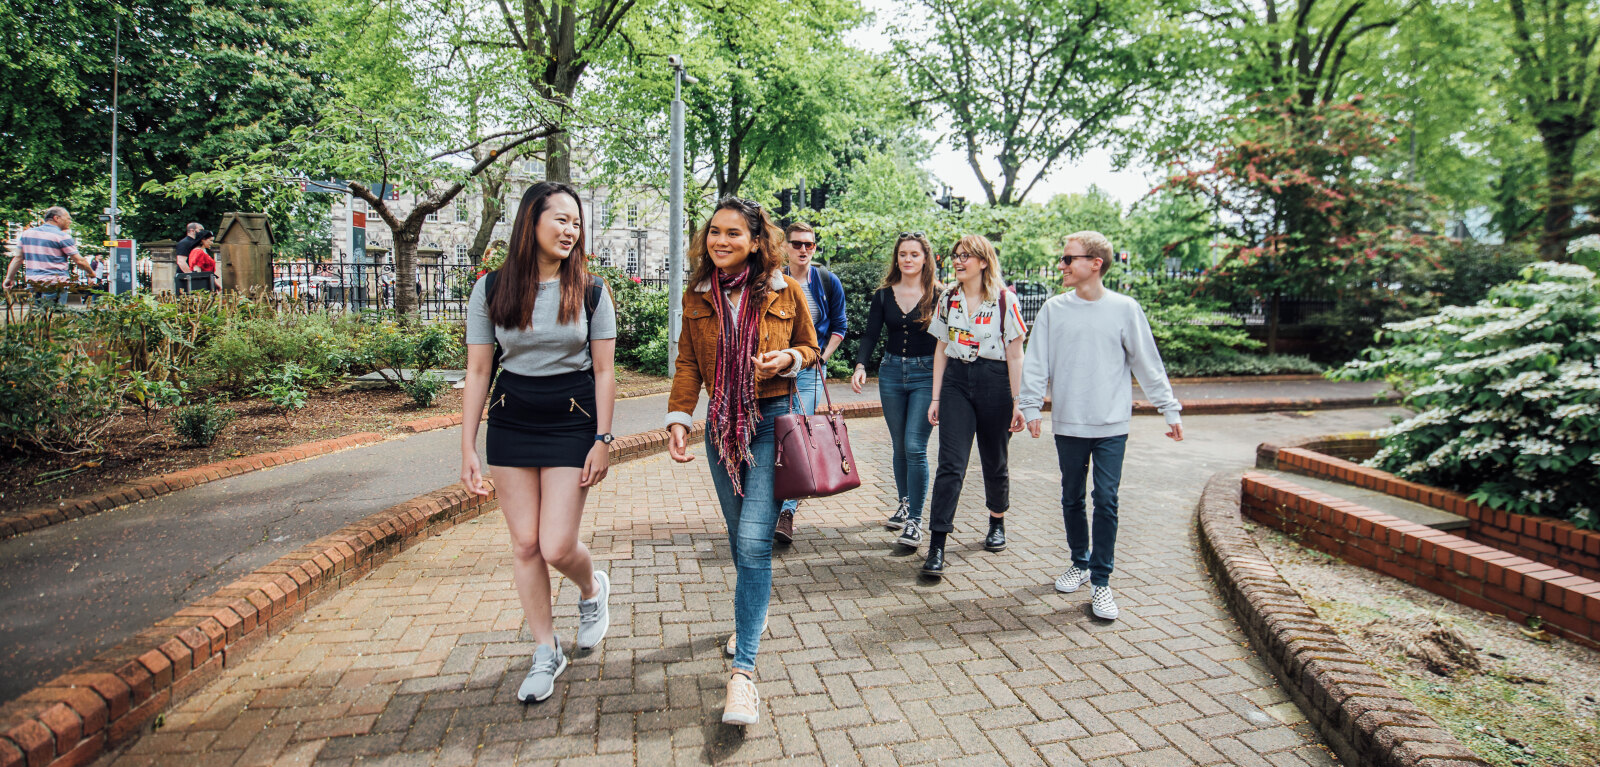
x=745 y=330
x=1085 y=345
x=904 y=303
x=824 y=296
x=551 y=329
x=201 y=262
x=46 y=254
x=977 y=372
x=186 y=244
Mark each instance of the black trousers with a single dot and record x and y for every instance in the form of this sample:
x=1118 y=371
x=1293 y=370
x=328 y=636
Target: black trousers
x=974 y=401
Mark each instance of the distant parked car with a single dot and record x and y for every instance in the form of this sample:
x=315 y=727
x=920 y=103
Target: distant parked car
x=297 y=287
x=1031 y=297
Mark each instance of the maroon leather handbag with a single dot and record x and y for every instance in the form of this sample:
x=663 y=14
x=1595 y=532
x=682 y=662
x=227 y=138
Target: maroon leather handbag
x=813 y=458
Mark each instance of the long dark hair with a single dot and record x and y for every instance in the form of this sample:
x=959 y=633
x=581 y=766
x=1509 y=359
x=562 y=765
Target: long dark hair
x=930 y=286
x=765 y=236
x=518 y=280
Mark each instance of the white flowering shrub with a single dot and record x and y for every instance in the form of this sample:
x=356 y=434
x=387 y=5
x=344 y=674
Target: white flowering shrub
x=1507 y=395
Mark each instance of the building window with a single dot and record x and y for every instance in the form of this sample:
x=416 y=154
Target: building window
x=432 y=218
x=502 y=218
x=605 y=256
x=534 y=168
x=461 y=213
x=633 y=214
x=605 y=214
x=461 y=253
x=633 y=260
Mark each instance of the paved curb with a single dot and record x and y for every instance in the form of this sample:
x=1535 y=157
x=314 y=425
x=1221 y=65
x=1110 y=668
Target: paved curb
x=74 y=718
x=1271 y=404
x=1276 y=378
x=19 y=522
x=1362 y=718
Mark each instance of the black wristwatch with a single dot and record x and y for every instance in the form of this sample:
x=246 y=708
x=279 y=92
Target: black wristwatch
x=606 y=438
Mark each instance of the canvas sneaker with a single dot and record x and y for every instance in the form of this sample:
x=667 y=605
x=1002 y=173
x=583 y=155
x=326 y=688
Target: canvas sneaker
x=1071 y=580
x=743 y=704
x=911 y=535
x=1102 y=604
x=594 y=615
x=732 y=645
x=897 y=520
x=548 y=663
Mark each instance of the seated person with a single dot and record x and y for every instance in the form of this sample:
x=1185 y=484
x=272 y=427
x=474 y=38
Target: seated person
x=201 y=261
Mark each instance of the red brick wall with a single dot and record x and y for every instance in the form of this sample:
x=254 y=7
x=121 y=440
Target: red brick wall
x=1471 y=573
x=1552 y=542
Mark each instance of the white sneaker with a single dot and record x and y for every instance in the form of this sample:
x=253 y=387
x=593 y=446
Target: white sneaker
x=548 y=663
x=1102 y=604
x=743 y=704
x=1071 y=580
x=594 y=615
x=732 y=645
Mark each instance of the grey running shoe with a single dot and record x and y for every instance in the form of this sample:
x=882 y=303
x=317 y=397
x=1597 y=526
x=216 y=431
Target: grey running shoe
x=1071 y=580
x=911 y=535
x=898 y=519
x=594 y=615
x=1102 y=604
x=548 y=663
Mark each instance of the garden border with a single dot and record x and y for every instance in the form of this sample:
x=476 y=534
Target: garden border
x=76 y=717
x=1360 y=715
x=27 y=520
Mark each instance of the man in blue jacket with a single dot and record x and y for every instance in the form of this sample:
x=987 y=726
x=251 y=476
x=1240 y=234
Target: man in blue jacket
x=825 y=297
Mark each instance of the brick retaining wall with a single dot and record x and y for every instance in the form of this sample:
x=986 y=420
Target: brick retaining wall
x=1362 y=718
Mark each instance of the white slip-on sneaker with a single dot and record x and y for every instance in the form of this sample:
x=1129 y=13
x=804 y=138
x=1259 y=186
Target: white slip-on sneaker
x=743 y=704
x=1071 y=580
x=1102 y=604
x=594 y=615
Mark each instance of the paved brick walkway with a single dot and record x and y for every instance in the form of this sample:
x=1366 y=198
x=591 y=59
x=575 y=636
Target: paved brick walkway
x=864 y=663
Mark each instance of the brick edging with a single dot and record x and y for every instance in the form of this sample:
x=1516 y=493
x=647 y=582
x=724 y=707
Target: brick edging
x=19 y=522
x=1271 y=404
x=75 y=717
x=1360 y=715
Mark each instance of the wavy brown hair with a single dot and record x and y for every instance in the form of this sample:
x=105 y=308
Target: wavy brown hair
x=518 y=281
x=766 y=256
x=978 y=245
x=930 y=286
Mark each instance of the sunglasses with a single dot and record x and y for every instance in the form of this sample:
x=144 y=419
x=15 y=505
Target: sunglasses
x=1068 y=259
x=912 y=235
x=802 y=245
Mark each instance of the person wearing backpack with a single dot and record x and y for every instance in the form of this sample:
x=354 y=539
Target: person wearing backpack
x=824 y=297
x=977 y=373
x=542 y=331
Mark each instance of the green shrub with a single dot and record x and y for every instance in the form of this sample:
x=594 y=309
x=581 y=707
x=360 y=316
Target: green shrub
x=53 y=396
x=860 y=280
x=200 y=424
x=151 y=394
x=424 y=388
x=285 y=387
x=1507 y=393
x=1232 y=363
x=391 y=346
x=245 y=351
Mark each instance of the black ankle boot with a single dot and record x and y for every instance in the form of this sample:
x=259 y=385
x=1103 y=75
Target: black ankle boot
x=934 y=565
x=996 y=539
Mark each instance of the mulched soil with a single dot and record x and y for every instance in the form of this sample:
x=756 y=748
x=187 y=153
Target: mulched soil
x=1513 y=694
x=134 y=450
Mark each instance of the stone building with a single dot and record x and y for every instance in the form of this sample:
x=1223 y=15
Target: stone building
x=623 y=228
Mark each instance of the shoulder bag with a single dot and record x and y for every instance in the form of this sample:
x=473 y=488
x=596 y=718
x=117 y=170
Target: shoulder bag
x=813 y=458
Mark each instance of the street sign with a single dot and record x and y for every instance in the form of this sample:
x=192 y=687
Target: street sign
x=386 y=192
x=123 y=255
x=358 y=236
x=324 y=187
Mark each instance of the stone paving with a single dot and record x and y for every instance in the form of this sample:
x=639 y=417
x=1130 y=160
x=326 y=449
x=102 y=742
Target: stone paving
x=864 y=663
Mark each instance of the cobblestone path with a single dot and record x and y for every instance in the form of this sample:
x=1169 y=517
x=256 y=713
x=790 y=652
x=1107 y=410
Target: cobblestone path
x=864 y=663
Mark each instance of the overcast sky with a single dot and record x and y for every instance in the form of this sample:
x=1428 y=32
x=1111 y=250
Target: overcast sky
x=950 y=166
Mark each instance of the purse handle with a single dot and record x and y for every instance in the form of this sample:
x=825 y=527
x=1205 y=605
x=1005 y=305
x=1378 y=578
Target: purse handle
x=822 y=379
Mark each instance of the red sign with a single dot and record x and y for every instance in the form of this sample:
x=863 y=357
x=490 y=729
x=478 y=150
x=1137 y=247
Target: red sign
x=358 y=219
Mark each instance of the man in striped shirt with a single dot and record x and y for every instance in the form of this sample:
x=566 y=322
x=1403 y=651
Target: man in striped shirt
x=47 y=253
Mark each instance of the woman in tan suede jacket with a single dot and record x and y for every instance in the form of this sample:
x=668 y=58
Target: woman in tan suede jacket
x=746 y=334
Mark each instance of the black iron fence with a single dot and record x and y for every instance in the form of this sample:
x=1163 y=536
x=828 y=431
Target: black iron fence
x=442 y=290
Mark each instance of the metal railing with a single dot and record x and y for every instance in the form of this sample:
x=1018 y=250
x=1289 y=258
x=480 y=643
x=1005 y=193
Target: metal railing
x=442 y=290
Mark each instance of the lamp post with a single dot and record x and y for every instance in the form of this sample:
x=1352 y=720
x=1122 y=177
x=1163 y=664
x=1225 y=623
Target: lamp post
x=675 y=215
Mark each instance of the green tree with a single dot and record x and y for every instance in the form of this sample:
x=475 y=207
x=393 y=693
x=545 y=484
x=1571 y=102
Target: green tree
x=197 y=83
x=1031 y=83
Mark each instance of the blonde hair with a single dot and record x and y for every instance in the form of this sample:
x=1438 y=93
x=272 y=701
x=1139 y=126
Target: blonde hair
x=1094 y=244
x=978 y=245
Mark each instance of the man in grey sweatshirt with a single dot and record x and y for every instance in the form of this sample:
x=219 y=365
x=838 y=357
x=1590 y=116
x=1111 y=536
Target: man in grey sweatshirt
x=1083 y=347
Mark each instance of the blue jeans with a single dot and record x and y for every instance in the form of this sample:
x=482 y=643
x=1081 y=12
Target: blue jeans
x=905 y=385
x=751 y=519
x=1074 y=455
x=807 y=388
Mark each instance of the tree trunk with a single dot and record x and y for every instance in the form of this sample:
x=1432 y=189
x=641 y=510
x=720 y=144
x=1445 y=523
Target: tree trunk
x=1560 y=145
x=1274 y=304
x=558 y=158
x=405 y=268
x=492 y=206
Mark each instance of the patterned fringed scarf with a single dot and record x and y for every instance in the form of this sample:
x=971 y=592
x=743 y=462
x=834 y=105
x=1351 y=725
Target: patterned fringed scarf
x=732 y=412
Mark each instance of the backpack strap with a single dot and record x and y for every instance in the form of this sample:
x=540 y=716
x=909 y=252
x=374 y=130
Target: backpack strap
x=488 y=301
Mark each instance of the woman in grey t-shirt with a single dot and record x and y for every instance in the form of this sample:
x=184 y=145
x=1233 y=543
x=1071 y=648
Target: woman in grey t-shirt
x=550 y=328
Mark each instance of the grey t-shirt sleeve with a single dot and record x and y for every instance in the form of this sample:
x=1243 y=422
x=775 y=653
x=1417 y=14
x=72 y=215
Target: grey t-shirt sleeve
x=604 y=324
x=479 y=329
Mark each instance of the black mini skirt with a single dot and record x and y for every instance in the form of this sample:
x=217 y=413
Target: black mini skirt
x=537 y=421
